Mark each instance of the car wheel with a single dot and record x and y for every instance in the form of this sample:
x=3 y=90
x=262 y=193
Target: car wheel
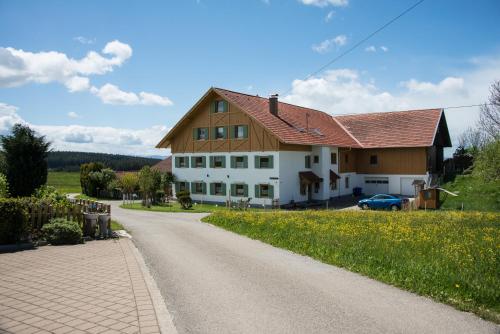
x=394 y=208
x=365 y=207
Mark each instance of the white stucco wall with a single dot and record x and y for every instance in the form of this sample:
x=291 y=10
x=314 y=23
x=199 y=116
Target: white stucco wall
x=251 y=176
x=291 y=163
x=394 y=180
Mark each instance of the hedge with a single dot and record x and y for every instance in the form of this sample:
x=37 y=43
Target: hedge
x=14 y=224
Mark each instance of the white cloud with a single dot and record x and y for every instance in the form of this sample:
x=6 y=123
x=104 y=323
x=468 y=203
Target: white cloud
x=150 y=99
x=84 y=40
x=329 y=16
x=90 y=138
x=78 y=137
x=8 y=117
x=325 y=3
x=18 y=67
x=111 y=94
x=73 y=114
x=345 y=91
x=373 y=48
x=328 y=44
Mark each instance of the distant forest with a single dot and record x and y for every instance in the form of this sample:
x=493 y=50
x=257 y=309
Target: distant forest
x=71 y=161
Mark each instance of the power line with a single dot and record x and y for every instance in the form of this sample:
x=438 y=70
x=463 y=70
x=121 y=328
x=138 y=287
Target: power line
x=360 y=42
x=469 y=106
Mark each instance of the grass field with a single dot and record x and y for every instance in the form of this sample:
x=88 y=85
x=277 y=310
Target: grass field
x=473 y=193
x=65 y=182
x=175 y=207
x=452 y=257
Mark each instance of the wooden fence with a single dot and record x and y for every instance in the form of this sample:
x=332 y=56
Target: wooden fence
x=41 y=214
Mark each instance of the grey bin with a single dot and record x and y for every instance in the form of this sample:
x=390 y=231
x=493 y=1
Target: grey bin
x=90 y=224
x=104 y=219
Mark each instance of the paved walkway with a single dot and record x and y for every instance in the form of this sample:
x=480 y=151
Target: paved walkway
x=96 y=287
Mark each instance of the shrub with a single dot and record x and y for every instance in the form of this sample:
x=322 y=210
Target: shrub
x=61 y=231
x=13 y=221
x=4 y=186
x=184 y=198
x=50 y=194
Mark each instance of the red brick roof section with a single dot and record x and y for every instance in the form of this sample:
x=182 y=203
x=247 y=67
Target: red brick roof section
x=294 y=124
x=415 y=128
x=164 y=165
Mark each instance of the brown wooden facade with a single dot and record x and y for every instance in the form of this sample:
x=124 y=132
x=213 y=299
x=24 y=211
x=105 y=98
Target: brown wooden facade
x=259 y=139
x=407 y=160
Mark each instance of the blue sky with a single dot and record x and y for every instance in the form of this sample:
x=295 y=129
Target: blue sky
x=442 y=53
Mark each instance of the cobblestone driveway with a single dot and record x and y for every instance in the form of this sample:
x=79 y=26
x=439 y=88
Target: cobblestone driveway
x=97 y=287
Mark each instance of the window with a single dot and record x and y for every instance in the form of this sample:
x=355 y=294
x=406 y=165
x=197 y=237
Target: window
x=346 y=158
x=239 y=190
x=373 y=159
x=198 y=188
x=316 y=159
x=264 y=161
x=308 y=161
x=181 y=186
x=218 y=189
x=240 y=132
x=240 y=162
x=316 y=187
x=333 y=158
x=346 y=182
x=220 y=132
x=264 y=190
x=220 y=106
x=181 y=162
x=199 y=162
x=333 y=185
x=219 y=162
x=200 y=133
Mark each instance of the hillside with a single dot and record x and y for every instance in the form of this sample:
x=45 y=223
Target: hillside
x=71 y=161
x=475 y=194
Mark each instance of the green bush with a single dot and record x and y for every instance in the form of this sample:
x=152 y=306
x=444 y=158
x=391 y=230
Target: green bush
x=4 y=186
x=184 y=198
x=62 y=232
x=13 y=220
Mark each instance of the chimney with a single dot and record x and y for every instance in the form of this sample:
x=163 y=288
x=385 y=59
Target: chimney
x=273 y=104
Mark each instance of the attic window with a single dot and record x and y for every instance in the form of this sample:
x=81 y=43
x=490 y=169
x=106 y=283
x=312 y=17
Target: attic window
x=220 y=106
x=373 y=159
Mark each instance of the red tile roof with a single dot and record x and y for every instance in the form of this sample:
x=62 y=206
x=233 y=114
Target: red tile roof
x=164 y=165
x=293 y=121
x=305 y=126
x=415 y=128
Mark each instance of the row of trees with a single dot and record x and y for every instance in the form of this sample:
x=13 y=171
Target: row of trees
x=99 y=181
x=71 y=161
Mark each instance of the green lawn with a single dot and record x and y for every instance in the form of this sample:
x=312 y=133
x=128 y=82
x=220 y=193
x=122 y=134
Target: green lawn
x=452 y=257
x=65 y=182
x=175 y=207
x=473 y=193
x=116 y=225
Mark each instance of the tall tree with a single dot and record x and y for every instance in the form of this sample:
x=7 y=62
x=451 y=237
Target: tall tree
x=489 y=118
x=26 y=159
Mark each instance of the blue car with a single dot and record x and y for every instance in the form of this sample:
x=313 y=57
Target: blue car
x=382 y=201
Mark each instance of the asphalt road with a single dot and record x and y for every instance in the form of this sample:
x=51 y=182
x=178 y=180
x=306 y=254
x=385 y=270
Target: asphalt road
x=214 y=281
